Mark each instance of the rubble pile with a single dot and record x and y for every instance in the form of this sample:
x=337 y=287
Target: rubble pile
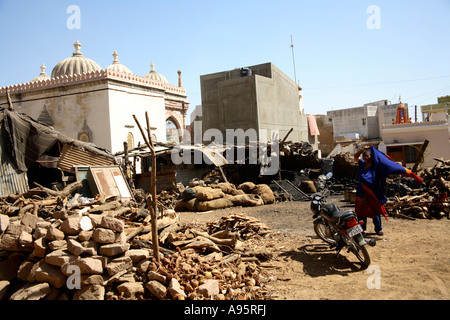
x=430 y=200
x=68 y=247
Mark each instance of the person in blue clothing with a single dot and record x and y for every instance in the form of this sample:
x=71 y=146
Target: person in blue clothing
x=363 y=208
x=374 y=167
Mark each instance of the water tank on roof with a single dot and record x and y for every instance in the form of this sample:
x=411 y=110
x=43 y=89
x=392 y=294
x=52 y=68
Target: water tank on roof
x=246 y=72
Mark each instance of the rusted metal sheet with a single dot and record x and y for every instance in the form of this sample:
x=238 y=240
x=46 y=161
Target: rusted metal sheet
x=72 y=156
x=11 y=180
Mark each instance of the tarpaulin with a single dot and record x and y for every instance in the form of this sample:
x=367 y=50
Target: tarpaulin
x=370 y=198
x=312 y=124
x=26 y=141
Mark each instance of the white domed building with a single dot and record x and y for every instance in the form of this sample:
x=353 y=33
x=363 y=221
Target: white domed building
x=92 y=104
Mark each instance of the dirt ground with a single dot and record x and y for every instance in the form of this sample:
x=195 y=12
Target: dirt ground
x=411 y=261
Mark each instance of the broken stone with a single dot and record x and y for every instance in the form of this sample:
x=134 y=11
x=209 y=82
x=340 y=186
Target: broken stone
x=209 y=289
x=93 y=292
x=30 y=220
x=9 y=242
x=4 y=222
x=24 y=270
x=118 y=264
x=31 y=291
x=85 y=235
x=4 y=286
x=175 y=289
x=112 y=224
x=16 y=229
x=50 y=274
x=91 y=279
x=25 y=239
x=111 y=250
x=40 y=247
x=131 y=290
x=74 y=247
x=103 y=235
x=137 y=255
x=157 y=289
x=152 y=275
x=59 y=257
x=86 y=265
x=54 y=233
x=57 y=245
x=71 y=226
x=40 y=232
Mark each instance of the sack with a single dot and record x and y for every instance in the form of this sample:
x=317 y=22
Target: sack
x=182 y=205
x=207 y=193
x=264 y=191
x=247 y=200
x=247 y=187
x=214 y=204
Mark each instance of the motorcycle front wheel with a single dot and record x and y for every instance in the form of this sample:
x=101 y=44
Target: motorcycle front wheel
x=323 y=231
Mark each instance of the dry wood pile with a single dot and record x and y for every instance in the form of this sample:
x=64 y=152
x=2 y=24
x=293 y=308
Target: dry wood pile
x=57 y=246
x=431 y=200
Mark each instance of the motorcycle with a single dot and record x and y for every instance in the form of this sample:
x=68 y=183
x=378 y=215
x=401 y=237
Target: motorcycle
x=340 y=229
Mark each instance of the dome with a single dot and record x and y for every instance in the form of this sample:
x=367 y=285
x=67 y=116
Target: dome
x=153 y=75
x=117 y=66
x=77 y=64
x=42 y=76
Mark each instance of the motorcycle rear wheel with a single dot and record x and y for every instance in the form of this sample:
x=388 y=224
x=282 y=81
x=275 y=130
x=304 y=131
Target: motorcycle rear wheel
x=361 y=253
x=323 y=231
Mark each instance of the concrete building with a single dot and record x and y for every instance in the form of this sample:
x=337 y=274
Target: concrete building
x=260 y=97
x=84 y=101
x=435 y=112
x=364 y=121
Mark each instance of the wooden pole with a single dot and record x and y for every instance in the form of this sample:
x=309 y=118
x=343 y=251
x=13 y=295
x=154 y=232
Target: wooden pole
x=420 y=156
x=152 y=204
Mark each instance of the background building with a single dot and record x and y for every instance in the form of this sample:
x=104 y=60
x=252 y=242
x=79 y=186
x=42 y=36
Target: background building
x=84 y=101
x=259 y=97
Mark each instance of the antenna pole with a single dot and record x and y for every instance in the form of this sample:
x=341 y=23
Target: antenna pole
x=293 y=59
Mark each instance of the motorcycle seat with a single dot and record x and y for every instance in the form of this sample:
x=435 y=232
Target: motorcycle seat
x=337 y=215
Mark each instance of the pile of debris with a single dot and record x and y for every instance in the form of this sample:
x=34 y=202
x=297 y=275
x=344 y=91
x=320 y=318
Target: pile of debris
x=57 y=246
x=430 y=200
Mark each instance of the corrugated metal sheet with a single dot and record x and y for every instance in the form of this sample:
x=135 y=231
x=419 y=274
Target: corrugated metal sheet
x=11 y=180
x=73 y=156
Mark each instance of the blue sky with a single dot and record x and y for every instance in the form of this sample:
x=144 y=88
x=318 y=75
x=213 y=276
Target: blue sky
x=340 y=62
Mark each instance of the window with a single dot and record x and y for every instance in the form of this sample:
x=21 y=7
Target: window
x=410 y=154
x=130 y=140
x=171 y=131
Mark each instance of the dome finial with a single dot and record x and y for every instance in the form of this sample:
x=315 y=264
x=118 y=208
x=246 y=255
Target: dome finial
x=77 y=45
x=116 y=56
x=152 y=66
x=43 y=67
